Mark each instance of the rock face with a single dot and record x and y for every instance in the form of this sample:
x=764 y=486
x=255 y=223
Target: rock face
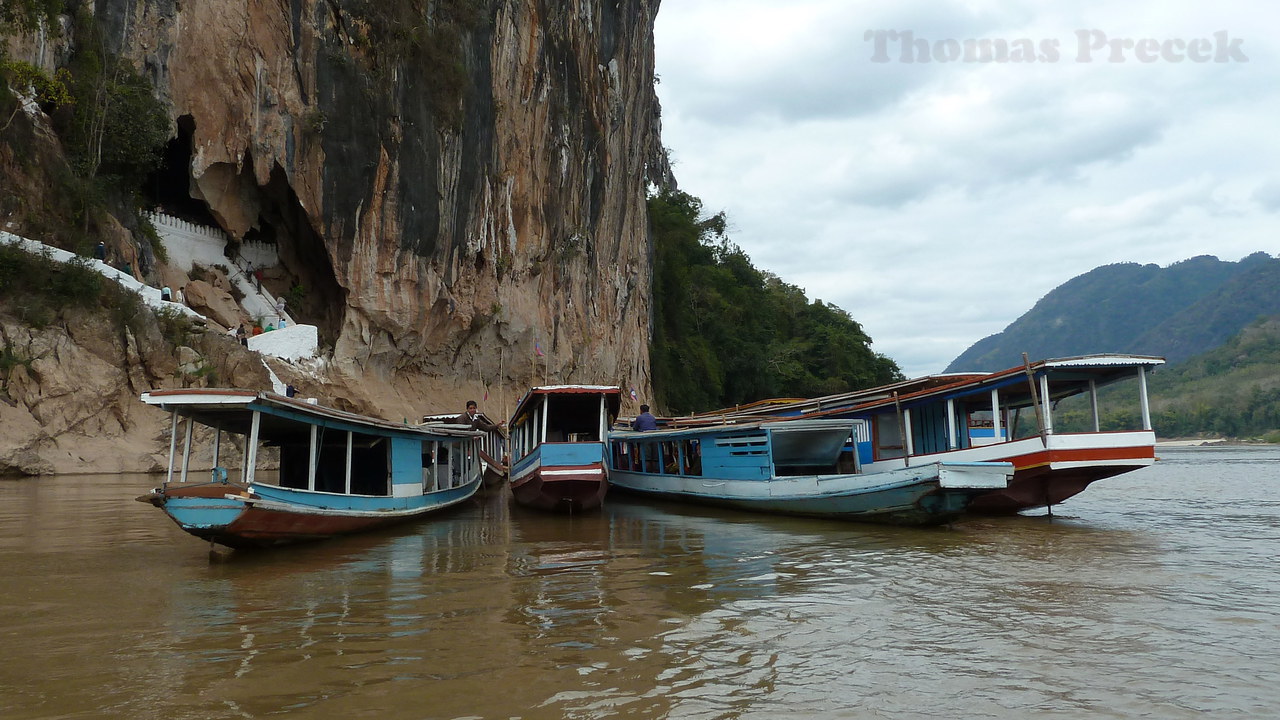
x=213 y=303
x=71 y=403
x=451 y=181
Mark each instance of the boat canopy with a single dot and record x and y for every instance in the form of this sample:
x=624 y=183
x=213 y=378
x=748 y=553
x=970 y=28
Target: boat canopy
x=281 y=419
x=612 y=397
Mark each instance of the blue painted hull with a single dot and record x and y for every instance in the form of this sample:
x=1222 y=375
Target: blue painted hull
x=241 y=516
x=561 y=477
x=915 y=496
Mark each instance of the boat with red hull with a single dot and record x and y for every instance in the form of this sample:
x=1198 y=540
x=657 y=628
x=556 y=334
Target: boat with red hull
x=339 y=473
x=1043 y=417
x=558 y=446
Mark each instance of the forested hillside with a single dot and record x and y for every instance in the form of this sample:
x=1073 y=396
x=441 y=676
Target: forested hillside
x=726 y=333
x=1175 y=312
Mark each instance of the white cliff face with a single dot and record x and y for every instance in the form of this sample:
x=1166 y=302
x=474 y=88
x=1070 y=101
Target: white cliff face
x=440 y=231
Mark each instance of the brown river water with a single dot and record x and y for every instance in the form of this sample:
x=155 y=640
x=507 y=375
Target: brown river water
x=1153 y=595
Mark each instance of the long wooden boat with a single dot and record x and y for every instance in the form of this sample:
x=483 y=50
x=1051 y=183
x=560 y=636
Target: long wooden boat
x=557 y=446
x=339 y=472
x=794 y=467
x=1015 y=415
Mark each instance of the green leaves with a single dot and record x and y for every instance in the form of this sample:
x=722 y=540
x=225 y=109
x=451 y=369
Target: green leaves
x=25 y=16
x=727 y=333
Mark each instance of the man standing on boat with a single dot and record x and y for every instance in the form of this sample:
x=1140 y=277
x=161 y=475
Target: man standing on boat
x=471 y=418
x=645 y=420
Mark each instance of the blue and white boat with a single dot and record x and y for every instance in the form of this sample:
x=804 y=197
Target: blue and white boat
x=1012 y=416
x=338 y=472
x=794 y=467
x=557 y=446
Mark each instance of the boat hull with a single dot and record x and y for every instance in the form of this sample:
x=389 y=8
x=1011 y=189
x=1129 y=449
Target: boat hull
x=1049 y=471
x=495 y=472
x=252 y=516
x=928 y=494
x=567 y=489
x=1045 y=485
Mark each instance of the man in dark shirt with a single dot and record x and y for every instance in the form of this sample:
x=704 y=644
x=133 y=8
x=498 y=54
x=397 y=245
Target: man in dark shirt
x=472 y=419
x=645 y=420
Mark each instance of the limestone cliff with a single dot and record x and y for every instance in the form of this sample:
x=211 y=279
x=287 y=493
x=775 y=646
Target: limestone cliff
x=450 y=181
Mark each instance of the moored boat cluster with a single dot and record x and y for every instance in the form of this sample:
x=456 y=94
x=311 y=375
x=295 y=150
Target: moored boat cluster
x=918 y=452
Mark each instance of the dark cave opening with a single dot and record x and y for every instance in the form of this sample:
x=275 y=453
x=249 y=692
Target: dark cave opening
x=168 y=187
x=315 y=295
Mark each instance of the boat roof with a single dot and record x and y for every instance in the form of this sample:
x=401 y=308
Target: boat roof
x=448 y=418
x=613 y=393
x=1068 y=376
x=1100 y=368
x=796 y=424
x=283 y=417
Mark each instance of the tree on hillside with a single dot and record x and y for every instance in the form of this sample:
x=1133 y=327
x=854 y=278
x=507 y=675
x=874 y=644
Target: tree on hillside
x=26 y=16
x=726 y=333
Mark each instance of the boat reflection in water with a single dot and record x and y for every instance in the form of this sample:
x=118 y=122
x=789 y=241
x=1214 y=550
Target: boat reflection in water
x=649 y=609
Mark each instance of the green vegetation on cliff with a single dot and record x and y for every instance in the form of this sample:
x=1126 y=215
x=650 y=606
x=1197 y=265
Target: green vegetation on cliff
x=725 y=333
x=25 y=16
x=110 y=129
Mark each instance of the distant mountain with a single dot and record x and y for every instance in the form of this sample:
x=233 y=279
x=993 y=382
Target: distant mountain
x=1177 y=312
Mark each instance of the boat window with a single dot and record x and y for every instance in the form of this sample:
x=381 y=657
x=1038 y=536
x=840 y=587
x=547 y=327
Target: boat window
x=982 y=429
x=621 y=456
x=888 y=437
x=574 y=417
x=370 y=465
x=635 y=456
x=651 y=464
x=670 y=458
x=929 y=429
x=692 y=457
x=428 y=466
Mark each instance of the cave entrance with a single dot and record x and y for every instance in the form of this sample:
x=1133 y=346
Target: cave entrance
x=168 y=188
x=280 y=240
x=313 y=292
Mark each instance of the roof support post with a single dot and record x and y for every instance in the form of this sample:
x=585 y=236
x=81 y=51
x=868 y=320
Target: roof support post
x=902 y=429
x=186 y=447
x=1044 y=398
x=251 y=450
x=311 y=458
x=1093 y=405
x=1143 y=399
x=953 y=441
x=173 y=444
x=995 y=415
x=346 y=483
x=546 y=406
x=603 y=420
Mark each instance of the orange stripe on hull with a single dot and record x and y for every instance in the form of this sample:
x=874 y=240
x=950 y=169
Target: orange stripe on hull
x=1036 y=483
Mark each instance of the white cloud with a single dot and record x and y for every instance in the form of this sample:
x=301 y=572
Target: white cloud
x=937 y=202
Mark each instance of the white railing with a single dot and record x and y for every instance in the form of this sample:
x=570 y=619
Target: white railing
x=188 y=245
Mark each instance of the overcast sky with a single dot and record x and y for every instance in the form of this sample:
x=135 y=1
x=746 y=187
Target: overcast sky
x=937 y=201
